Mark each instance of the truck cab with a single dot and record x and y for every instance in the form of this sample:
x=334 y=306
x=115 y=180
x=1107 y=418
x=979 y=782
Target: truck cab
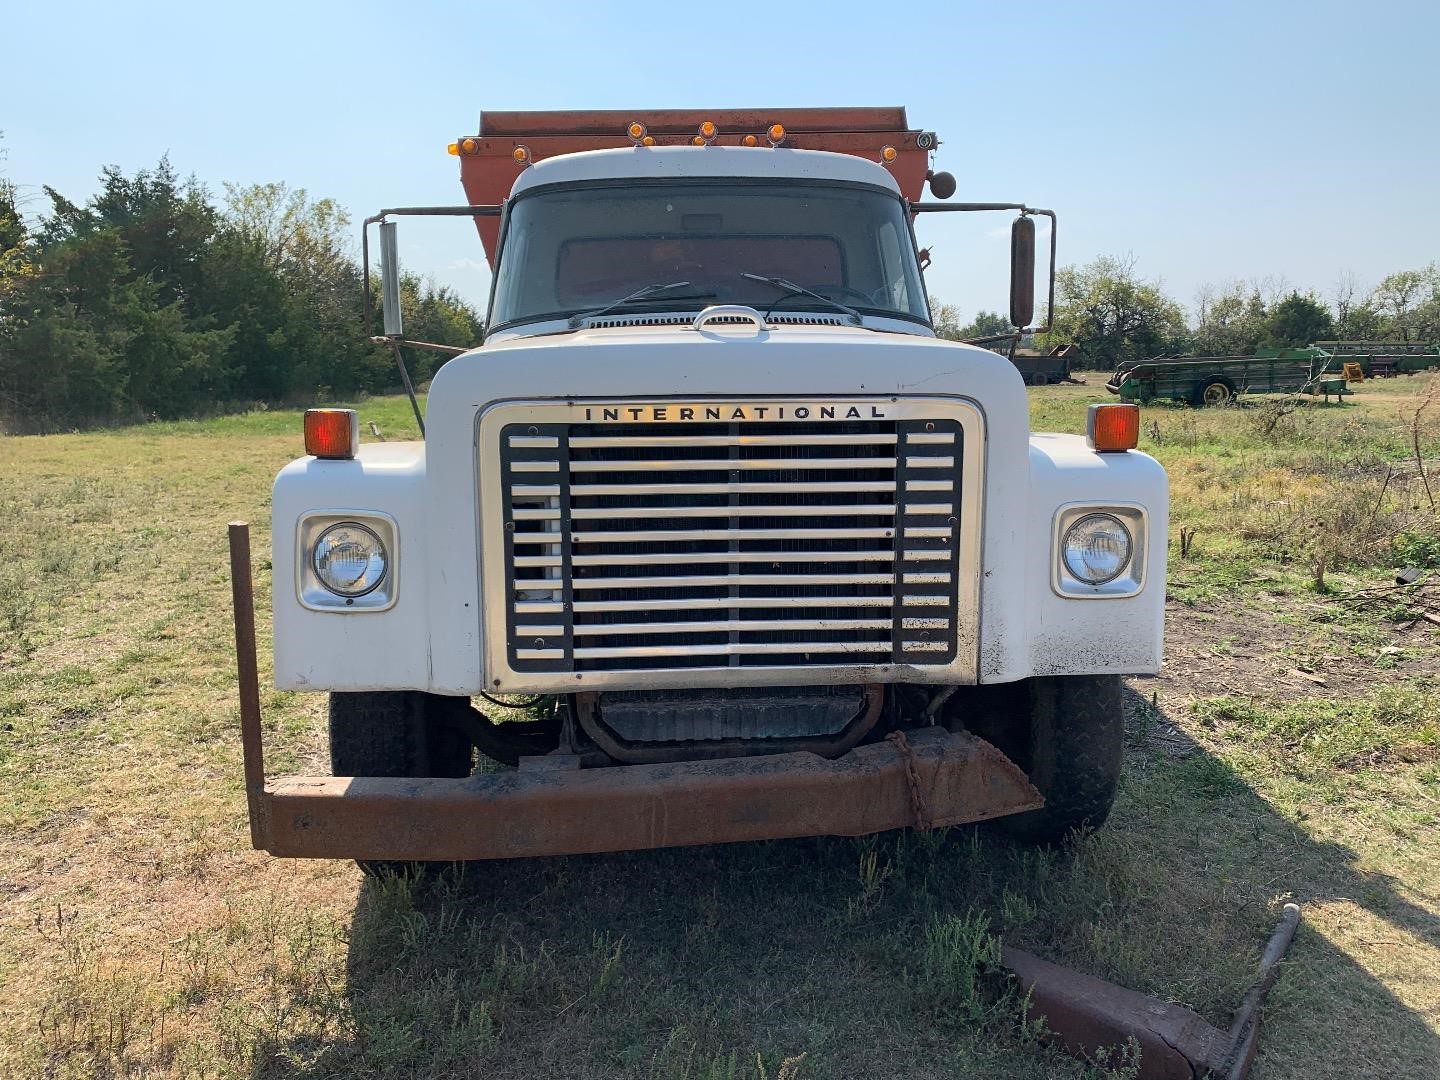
x=711 y=525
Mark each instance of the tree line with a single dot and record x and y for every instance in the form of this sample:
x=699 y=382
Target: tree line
x=1115 y=315
x=156 y=300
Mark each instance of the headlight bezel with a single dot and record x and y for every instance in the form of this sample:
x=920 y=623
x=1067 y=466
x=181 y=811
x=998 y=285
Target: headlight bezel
x=313 y=593
x=1129 y=581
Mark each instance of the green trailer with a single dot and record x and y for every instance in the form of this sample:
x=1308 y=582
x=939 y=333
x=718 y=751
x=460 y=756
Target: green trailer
x=1380 y=359
x=1218 y=380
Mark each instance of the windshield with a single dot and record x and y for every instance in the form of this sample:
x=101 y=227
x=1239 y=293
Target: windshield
x=576 y=249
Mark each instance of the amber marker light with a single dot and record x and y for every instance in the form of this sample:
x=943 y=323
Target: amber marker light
x=889 y=154
x=636 y=131
x=707 y=130
x=776 y=134
x=1112 y=428
x=698 y=140
x=648 y=140
x=469 y=146
x=333 y=434
x=750 y=140
x=453 y=149
x=521 y=154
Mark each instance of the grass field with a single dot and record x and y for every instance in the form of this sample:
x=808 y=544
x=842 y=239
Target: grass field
x=1290 y=750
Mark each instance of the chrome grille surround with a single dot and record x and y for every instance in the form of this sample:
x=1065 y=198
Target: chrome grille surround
x=634 y=545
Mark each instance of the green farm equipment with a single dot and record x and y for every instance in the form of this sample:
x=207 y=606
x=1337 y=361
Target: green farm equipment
x=1380 y=359
x=1218 y=380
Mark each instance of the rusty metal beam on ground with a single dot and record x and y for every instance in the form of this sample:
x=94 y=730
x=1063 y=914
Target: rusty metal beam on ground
x=1087 y=1015
x=543 y=812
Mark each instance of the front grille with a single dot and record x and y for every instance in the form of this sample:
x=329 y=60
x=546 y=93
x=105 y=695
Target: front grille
x=749 y=544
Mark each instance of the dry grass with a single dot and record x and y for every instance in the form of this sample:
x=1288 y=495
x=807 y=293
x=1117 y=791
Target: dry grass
x=140 y=937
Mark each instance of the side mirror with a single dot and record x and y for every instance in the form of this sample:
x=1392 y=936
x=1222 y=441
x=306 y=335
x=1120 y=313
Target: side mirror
x=390 y=279
x=1022 y=272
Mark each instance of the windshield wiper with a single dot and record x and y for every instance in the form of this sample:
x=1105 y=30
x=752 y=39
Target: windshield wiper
x=638 y=294
x=791 y=289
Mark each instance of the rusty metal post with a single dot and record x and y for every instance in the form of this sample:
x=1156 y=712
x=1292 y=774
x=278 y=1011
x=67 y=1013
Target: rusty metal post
x=247 y=667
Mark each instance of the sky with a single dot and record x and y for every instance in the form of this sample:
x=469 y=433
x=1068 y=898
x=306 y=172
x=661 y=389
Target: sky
x=1290 y=143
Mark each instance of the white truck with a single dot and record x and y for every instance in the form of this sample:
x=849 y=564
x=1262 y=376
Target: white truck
x=711 y=538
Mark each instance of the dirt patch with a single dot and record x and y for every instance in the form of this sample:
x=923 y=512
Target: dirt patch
x=1286 y=649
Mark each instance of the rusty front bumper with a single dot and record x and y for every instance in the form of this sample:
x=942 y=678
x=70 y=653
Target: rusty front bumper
x=548 y=807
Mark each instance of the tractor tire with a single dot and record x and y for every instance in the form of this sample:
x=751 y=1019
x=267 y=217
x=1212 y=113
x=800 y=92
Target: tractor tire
x=394 y=733
x=1213 y=392
x=1068 y=733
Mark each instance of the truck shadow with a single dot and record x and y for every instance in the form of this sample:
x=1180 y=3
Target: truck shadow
x=691 y=962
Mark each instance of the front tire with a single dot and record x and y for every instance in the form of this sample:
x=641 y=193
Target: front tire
x=1068 y=733
x=395 y=733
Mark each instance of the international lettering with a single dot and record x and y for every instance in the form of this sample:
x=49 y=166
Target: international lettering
x=669 y=414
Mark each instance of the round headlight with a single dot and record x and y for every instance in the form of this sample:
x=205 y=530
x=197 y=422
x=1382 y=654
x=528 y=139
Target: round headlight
x=350 y=560
x=1097 y=549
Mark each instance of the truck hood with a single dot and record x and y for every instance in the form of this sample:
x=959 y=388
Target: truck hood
x=650 y=362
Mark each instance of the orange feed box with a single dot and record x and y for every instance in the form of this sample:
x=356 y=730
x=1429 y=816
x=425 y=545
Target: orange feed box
x=511 y=141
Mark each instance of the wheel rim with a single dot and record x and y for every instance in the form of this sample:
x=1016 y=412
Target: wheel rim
x=1217 y=394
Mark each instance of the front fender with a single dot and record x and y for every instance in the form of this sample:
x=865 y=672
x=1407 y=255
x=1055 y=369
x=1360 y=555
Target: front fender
x=1093 y=635
x=353 y=649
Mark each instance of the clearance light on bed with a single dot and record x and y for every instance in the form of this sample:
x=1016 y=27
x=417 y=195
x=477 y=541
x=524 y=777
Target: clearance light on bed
x=750 y=140
x=776 y=134
x=1112 y=428
x=636 y=131
x=332 y=433
x=521 y=154
x=889 y=154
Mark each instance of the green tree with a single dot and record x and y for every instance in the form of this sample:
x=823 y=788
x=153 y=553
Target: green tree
x=305 y=242
x=435 y=314
x=1409 y=304
x=1299 y=320
x=1231 y=320
x=1112 y=314
x=946 y=320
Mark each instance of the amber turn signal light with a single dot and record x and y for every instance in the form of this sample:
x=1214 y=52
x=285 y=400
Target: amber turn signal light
x=1111 y=428
x=332 y=433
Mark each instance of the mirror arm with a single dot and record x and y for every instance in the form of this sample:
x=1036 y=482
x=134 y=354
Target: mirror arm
x=406 y=211
x=1050 y=303
x=396 y=342
x=449 y=350
x=963 y=208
